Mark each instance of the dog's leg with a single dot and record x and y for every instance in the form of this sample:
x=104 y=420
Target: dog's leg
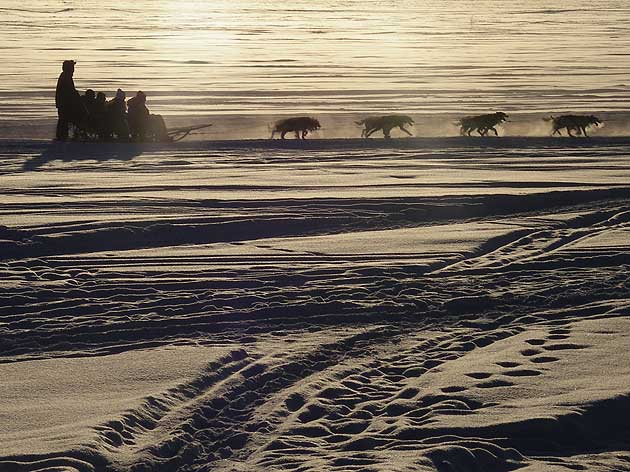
x=495 y=131
x=584 y=131
x=569 y=131
x=371 y=132
x=283 y=134
x=387 y=133
x=556 y=130
x=304 y=133
x=402 y=128
x=297 y=134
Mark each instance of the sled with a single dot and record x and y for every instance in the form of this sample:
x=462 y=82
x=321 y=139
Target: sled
x=177 y=134
x=172 y=134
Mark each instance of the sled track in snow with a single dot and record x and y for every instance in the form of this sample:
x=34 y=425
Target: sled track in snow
x=344 y=354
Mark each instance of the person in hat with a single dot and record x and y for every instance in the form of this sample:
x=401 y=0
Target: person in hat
x=70 y=108
x=138 y=115
x=142 y=124
x=117 y=116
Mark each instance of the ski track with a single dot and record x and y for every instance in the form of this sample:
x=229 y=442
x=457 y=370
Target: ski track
x=341 y=359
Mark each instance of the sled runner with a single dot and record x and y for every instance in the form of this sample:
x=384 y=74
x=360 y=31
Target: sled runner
x=177 y=134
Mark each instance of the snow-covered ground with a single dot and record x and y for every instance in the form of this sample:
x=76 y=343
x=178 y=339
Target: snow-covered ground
x=419 y=304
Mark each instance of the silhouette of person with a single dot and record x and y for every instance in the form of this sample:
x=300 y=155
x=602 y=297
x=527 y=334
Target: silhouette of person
x=89 y=100
x=138 y=114
x=117 y=116
x=99 y=116
x=70 y=108
x=89 y=103
x=142 y=124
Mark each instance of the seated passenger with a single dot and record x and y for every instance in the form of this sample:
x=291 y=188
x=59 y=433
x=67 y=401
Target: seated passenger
x=87 y=129
x=138 y=116
x=89 y=99
x=142 y=124
x=116 y=117
x=99 y=116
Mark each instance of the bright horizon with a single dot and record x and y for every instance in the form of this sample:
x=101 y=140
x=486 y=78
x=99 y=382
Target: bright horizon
x=256 y=57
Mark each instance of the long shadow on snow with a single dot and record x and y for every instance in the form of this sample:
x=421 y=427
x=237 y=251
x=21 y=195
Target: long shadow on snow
x=70 y=151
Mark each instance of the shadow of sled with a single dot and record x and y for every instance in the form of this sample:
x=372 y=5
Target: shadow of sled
x=102 y=150
x=77 y=151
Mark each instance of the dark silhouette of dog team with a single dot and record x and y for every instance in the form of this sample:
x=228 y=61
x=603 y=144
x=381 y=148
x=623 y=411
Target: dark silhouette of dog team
x=300 y=125
x=92 y=117
x=385 y=123
x=481 y=123
x=577 y=123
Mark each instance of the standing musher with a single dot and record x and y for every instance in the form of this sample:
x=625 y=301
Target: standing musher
x=70 y=108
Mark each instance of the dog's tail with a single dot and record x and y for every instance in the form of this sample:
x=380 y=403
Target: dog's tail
x=360 y=123
x=548 y=118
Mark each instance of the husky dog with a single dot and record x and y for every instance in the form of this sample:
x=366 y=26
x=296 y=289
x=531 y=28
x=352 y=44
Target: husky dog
x=300 y=125
x=578 y=123
x=481 y=123
x=386 y=123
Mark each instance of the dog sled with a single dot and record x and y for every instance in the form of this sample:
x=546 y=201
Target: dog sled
x=170 y=135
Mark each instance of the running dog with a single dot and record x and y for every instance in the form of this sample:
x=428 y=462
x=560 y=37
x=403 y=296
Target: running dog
x=578 y=123
x=386 y=123
x=300 y=125
x=481 y=123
